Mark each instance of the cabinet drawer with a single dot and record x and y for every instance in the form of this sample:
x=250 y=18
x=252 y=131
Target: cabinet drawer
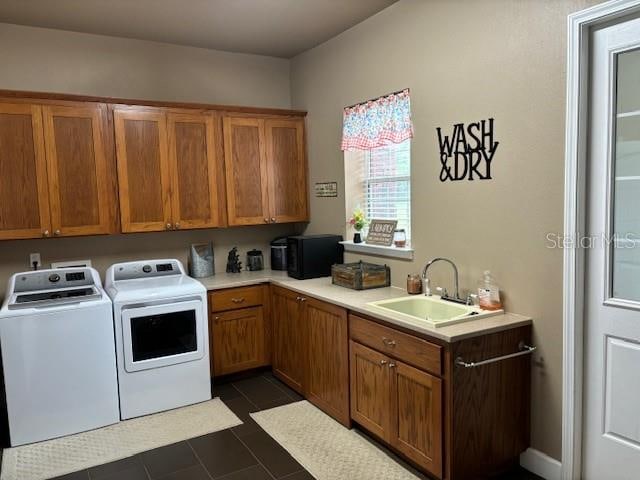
x=412 y=350
x=234 y=298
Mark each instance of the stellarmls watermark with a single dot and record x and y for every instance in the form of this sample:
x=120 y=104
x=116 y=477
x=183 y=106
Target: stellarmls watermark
x=560 y=240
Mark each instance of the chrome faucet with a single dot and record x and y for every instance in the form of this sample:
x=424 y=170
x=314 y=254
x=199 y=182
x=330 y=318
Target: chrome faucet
x=443 y=291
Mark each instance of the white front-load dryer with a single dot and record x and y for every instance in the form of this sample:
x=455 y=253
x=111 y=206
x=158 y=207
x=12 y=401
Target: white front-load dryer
x=162 y=337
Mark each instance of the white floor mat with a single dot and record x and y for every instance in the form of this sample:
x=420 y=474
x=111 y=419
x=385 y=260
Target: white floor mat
x=40 y=461
x=325 y=448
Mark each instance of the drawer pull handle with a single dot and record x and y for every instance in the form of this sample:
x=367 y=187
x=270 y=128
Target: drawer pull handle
x=216 y=319
x=383 y=362
x=389 y=343
x=237 y=300
x=523 y=349
x=392 y=365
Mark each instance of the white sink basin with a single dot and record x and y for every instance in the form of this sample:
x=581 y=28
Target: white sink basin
x=431 y=310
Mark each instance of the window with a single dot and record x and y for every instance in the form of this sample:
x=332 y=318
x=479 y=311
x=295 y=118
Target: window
x=379 y=181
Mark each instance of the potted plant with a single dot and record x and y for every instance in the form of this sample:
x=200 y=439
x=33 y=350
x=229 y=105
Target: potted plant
x=358 y=221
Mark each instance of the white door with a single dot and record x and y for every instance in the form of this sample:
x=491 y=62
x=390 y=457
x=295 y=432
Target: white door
x=611 y=443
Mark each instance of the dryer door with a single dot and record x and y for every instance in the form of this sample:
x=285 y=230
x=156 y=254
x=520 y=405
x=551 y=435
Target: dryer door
x=162 y=335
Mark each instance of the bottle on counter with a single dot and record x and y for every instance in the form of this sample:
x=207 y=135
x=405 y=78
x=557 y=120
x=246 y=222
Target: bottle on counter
x=414 y=284
x=489 y=293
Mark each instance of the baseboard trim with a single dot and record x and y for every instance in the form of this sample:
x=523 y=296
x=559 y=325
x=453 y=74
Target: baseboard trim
x=541 y=464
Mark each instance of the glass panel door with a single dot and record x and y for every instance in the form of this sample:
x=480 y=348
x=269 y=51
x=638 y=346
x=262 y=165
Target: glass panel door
x=625 y=261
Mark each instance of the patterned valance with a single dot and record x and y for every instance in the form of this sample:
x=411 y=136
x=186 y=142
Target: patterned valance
x=377 y=122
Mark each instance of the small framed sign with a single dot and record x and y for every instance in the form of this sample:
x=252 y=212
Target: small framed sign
x=327 y=189
x=381 y=232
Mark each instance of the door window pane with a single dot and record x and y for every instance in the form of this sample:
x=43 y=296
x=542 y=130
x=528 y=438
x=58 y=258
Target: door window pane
x=626 y=183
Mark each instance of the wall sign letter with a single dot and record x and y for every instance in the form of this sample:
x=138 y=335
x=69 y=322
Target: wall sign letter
x=467 y=152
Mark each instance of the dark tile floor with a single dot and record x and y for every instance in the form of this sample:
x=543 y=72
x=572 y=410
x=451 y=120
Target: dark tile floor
x=245 y=452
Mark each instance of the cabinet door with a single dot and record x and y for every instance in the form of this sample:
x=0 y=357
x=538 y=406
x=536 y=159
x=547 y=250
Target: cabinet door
x=286 y=159
x=327 y=372
x=370 y=390
x=195 y=171
x=24 y=199
x=238 y=340
x=80 y=194
x=288 y=338
x=143 y=169
x=417 y=416
x=246 y=171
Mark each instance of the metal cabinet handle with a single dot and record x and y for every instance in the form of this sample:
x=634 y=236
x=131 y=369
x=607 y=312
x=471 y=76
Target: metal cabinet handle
x=169 y=226
x=216 y=319
x=302 y=299
x=237 y=300
x=392 y=365
x=57 y=233
x=177 y=225
x=45 y=233
x=523 y=349
x=383 y=362
x=273 y=219
x=266 y=220
x=388 y=342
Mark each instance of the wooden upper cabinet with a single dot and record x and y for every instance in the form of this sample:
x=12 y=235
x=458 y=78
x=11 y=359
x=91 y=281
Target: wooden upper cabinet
x=266 y=170
x=80 y=189
x=327 y=372
x=24 y=198
x=286 y=160
x=197 y=197
x=246 y=171
x=143 y=169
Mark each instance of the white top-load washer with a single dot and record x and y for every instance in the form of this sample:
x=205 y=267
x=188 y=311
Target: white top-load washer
x=162 y=339
x=58 y=354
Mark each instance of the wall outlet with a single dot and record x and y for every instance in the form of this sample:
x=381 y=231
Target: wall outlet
x=34 y=261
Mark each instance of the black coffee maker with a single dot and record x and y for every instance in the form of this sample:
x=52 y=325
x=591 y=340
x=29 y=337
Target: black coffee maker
x=279 y=254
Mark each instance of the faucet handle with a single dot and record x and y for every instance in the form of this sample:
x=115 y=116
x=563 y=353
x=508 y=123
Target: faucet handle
x=442 y=291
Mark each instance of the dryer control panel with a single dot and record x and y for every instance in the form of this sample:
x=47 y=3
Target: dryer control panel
x=147 y=269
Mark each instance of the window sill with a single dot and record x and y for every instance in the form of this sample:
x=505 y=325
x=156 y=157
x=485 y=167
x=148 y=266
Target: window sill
x=379 y=250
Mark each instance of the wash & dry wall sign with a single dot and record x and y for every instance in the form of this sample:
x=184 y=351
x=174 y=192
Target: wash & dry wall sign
x=467 y=152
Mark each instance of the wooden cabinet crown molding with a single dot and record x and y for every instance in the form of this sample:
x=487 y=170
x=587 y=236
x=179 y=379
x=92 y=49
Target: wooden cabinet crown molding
x=50 y=97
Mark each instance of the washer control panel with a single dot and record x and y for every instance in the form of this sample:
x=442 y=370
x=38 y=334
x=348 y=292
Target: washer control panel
x=53 y=279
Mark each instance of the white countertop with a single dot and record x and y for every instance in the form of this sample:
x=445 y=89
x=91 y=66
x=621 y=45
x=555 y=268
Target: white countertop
x=356 y=301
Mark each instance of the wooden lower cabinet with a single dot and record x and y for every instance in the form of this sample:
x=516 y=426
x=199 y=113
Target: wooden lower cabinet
x=289 y=346
x=327 y=371
x=239 y=340
x=464 y=423
x=239 y=329
x=370 y=390
x=399 y=404
x=416 y=416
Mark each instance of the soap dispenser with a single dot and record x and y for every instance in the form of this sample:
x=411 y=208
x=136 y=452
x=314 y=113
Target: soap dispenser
x=488 y=292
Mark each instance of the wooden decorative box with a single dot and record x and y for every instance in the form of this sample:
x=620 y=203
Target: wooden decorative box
x=361 y=275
